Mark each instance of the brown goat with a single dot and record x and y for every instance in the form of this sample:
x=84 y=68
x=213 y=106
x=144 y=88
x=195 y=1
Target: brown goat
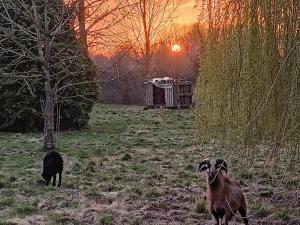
x=224 y=196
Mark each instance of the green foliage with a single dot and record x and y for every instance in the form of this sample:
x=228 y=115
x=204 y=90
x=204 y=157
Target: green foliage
x=248 y=88
x=6 y=202
x=7 y=223
x=284 y=215
x=200 y=206
x=26 y=209
x=20 y=111
x=261 y=210
x=21 y=73
x=106 y=220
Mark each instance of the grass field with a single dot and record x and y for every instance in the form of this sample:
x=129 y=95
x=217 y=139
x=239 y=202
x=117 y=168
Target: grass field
x=132 y=166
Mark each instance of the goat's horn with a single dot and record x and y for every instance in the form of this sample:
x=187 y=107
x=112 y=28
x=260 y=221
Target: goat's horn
x=222 y=163
x=203 y=165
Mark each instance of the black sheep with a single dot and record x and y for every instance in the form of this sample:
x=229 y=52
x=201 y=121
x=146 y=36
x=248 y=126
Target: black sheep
x=53 y=164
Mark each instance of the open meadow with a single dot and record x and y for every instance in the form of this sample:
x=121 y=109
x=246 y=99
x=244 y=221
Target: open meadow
x=132 y=166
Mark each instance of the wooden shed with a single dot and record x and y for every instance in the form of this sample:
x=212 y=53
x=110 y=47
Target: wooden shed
x=166 y=92
x=185 y=93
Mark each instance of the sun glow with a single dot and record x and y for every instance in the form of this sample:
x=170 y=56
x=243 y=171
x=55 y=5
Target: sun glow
x=176 y=48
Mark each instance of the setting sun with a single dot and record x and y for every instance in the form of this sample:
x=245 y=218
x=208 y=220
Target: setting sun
x=176 y=48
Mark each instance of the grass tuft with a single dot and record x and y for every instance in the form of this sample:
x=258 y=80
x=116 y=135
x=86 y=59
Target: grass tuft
x=200 y=206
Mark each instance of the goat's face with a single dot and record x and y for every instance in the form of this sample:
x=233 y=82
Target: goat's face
x=212 y=167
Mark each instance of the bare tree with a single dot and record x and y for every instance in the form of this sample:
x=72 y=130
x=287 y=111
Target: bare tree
x=97 y=22
x=40 y=33
x=143 y=25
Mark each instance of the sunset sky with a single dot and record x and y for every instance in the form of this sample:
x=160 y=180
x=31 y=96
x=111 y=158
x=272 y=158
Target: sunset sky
x=186 y=12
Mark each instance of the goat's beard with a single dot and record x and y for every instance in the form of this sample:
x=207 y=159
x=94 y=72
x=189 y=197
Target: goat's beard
x=213 y=177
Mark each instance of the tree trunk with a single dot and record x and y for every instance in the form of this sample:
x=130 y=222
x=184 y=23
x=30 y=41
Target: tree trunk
x=146 y=27
x=81 y=21
x=49 y=138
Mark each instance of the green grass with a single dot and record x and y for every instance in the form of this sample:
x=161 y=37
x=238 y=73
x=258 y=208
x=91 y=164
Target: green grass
x=26 y=209
x=6 y=203
x=200 y=206
x=260 y=209
x=129 y=166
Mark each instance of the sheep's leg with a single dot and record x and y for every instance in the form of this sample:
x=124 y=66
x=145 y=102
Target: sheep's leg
x=242 y=211
x=54 y=180
x=59 y=178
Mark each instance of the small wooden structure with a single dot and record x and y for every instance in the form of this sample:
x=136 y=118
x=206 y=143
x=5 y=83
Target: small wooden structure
x=185 y=93
x=166 y=92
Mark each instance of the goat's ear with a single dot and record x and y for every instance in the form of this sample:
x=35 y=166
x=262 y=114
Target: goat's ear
x=203 y=165
x=222 y=164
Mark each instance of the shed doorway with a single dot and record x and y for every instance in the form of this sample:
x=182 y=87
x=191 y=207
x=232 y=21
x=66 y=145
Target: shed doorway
x=159 y=96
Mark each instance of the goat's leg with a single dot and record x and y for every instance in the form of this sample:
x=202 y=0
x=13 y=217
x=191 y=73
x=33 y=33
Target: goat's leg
x=242 y=211
x=223 y=217
x=224 y=220
x=54 y=180
x=215 y=217
x=59 y=178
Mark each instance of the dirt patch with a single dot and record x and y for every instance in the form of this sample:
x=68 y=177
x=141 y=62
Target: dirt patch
x=30 y=220
x=114 y=212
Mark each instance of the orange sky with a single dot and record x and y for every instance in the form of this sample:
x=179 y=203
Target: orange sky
x=186 y=12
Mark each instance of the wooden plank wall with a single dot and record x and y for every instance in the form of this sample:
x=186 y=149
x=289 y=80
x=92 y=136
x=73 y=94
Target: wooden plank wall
x=149 y=94
x=169 y=97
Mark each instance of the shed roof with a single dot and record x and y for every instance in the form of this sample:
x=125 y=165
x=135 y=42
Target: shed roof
x=165 y=82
